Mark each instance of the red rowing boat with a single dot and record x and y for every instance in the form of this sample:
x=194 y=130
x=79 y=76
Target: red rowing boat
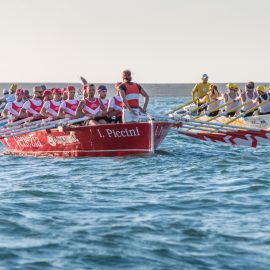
x=100 y=140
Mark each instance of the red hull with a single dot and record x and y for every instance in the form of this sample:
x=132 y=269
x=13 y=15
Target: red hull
x=101 y=140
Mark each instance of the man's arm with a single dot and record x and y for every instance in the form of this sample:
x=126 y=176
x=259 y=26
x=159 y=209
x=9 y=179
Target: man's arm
x=79 y=112
x=123 y=95
x=146 y=100
x=194 y=93
x=61 y=111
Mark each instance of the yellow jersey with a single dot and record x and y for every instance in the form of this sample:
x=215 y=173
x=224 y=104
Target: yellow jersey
x=200 y=90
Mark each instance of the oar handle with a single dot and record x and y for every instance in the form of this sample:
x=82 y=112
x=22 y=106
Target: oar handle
x=180 y=107
x=229 y=111
x=248 y=111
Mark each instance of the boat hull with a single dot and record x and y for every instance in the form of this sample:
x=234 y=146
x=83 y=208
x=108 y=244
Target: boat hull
x=100 y=140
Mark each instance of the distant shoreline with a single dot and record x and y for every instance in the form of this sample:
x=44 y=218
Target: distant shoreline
x=154 y=89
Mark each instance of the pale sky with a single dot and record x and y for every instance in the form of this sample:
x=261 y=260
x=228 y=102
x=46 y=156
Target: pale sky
x=161 y=41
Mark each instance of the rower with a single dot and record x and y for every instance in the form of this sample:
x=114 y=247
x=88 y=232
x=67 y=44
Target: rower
x=68 y=107
x=51 y=107
x=26 y=95
x=33 y=106
x=47 y=95
x=64 y=93
x=102 y=95
x=14 y=108
x=3 y=100
x=11 y=97
x=91 y=106
x=212 y=99
x=130 y=93
x=231 y=96
x=263 y=95
x=200 y=90
x=116 y=105
x=248 y=95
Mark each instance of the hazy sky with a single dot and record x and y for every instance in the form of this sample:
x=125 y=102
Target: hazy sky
x=159 y=40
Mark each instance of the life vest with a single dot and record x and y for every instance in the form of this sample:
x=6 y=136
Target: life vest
x=132 y=94
x=54 y=108
x=34 y=109
x=265 y=108
x=251 y=105
x=105 y=102
x=91 y=107
x=15 y=108
x=118 y=105
x=71 y=108
x=234 y=104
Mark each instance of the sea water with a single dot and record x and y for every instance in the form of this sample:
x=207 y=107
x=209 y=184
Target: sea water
x=191 y=205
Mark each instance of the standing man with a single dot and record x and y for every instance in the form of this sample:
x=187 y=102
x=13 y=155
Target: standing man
x=130 y=93
x=200 y=90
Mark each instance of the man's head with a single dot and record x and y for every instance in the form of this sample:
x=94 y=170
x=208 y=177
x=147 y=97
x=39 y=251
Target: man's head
x=204 y=78
x=64 y=93
x=5 y=92
x=261 y=89
x=89 y=90
x=231 y=87
x=126 y=76
x=13 y=88
x=71 y=92
x=250 y=86
x=56 y=94
x=37 y=91
x=19 y=95
x=47 y=95
x=102 y=91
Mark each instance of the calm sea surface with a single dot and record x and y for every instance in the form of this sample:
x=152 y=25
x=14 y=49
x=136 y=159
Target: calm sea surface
x=191 y=205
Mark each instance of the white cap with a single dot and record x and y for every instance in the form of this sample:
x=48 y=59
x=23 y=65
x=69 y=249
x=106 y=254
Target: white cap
x=5 y=91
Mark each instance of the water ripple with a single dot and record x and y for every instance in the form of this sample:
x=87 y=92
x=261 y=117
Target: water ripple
x=192 y=205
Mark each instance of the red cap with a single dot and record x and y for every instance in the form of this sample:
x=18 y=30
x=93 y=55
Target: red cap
x=56 y=91
x=63 y=90
x=19 y=92
x=46 y=92
x=70 y=88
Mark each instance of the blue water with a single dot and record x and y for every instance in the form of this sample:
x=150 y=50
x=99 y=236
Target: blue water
x=191 y=205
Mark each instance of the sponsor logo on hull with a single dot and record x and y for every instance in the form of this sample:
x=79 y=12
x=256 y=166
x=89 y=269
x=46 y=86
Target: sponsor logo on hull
x=28 y=141
x=62 y=140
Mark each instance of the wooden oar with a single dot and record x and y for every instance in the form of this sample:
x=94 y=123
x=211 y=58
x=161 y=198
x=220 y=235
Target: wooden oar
x=200 y=107
x=248 y=111
x=219 y=107
x=51 y=125
x=180 y=107
x=219 y=125
x=229 y=111
x=32 y=125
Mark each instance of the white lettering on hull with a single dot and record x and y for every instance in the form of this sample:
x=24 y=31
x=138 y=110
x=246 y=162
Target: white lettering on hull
x=28 y=141
x=123 y=133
